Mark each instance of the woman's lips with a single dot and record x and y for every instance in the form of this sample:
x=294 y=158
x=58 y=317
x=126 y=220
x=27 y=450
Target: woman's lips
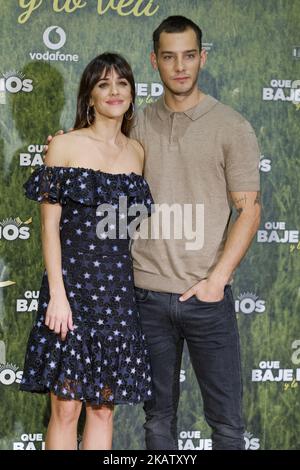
x=114 y=102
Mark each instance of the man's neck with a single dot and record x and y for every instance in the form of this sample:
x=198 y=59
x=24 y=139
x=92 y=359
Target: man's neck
x=181 y=103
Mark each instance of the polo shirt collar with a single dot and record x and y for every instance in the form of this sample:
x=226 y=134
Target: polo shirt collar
x=205 y=105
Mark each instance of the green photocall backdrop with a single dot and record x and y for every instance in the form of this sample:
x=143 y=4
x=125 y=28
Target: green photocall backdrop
x=254 y=66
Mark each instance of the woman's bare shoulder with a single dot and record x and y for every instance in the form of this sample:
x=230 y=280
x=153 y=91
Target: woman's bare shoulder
x=136 y=153
x=58 y=150
x=137 y=147
x=62 y=147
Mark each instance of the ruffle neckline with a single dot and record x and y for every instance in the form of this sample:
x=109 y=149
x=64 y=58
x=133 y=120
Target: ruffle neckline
x=91 y=170
x=56 y=184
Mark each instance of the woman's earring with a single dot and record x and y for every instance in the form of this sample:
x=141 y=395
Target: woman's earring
x=88 y=115
x=132 y=112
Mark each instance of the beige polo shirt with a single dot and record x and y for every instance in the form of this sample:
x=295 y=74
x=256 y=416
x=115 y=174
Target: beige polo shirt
x=192 y=159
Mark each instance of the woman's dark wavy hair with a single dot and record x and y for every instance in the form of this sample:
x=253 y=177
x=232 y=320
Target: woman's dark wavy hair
x=91 y=75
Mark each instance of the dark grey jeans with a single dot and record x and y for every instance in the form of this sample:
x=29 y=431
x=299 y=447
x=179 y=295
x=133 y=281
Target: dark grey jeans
x=211 y=333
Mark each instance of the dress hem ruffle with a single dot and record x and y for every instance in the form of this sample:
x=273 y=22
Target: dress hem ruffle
x=43 y=389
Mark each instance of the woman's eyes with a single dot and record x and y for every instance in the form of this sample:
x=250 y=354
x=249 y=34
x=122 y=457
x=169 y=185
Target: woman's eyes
x=105 y=84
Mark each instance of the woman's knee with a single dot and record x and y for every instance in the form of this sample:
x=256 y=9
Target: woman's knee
x=103 y=413
x=65 y=411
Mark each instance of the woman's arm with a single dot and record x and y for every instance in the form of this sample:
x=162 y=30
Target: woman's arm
x=58 y=315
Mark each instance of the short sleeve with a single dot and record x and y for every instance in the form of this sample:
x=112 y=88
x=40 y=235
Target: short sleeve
x=242 y=159
x=45 y=185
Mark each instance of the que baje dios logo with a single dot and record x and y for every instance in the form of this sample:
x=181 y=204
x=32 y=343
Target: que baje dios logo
x=121 y=7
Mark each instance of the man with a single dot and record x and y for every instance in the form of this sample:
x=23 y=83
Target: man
x=197 y=151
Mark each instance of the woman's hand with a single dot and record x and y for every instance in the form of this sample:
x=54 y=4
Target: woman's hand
x=59 y=315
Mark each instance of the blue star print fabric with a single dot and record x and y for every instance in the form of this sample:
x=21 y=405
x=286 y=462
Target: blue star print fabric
x=104 y=360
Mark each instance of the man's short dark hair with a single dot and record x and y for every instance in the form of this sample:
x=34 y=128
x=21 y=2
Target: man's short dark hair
x=176 y=24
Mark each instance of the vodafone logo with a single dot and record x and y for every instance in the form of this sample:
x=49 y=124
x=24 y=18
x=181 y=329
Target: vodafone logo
x=61 y=35
x=54 y=38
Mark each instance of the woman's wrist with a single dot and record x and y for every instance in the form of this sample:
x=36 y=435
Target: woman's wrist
x=57 y=290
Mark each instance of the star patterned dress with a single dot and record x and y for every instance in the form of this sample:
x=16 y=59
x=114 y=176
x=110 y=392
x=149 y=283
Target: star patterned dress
x=104 y=360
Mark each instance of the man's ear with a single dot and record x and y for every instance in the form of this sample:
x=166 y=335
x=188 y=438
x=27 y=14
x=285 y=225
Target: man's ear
x=153 y=60
x=203 y=58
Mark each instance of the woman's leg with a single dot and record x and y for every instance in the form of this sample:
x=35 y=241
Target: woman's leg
x=62 y=428
x=98 y=428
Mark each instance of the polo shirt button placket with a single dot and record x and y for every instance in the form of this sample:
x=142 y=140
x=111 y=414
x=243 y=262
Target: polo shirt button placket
x=173 y=131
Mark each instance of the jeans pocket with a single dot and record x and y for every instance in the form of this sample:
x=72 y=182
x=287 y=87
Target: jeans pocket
x=204 y=302
x=214 y=303
x=141 y=295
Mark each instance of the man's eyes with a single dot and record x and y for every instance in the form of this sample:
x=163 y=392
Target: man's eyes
x=169 y=57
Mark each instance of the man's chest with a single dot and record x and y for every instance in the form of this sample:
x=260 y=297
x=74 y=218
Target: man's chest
x=183 y=153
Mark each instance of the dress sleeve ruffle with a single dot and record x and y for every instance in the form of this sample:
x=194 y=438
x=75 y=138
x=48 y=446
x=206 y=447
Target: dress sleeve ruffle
x=142 y=196
x=87 y=187
x=45 y=185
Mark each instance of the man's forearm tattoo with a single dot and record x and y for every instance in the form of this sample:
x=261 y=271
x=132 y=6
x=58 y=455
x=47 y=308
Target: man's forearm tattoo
x=241 y=200
x=258 y=198
x=239 y=211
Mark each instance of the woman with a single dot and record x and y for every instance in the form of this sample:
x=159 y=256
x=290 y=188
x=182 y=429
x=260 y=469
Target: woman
x=86 y=344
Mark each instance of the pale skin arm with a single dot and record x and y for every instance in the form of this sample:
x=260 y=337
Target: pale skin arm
x=240 y=237
x=50 y=137
x=58 y=315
